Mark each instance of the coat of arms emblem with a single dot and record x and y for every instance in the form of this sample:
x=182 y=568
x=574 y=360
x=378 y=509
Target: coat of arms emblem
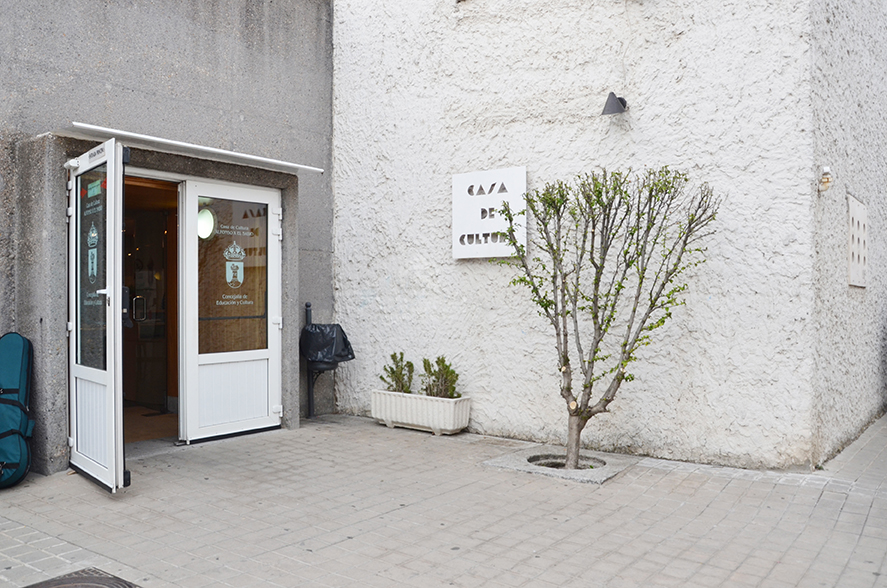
x=92 y=239
x=234 y=267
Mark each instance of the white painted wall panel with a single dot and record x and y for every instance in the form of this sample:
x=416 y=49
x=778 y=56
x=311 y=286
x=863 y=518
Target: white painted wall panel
x=232 y=392
x=93 y=425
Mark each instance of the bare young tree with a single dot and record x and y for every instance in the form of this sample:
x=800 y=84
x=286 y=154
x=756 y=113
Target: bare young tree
x=604 y=263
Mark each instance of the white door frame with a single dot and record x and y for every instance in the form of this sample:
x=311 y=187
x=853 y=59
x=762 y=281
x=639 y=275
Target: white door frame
x=242 y=387
x=96 y=387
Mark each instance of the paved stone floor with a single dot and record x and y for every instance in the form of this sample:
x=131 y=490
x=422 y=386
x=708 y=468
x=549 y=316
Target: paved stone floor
x=345 y=502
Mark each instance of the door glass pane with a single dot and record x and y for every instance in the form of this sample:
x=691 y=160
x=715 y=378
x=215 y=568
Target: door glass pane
x=232 y=275
x=146 y=253
x=92 y=191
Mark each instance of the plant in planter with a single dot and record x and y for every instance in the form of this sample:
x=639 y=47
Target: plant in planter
x=439 y=379
x=439 y=409
x=398 y=376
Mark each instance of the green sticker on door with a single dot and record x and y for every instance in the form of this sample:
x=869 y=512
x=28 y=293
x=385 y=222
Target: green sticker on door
x=94 y=188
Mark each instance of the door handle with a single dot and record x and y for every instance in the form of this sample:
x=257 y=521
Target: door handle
x=104 y=292
x=139 y=309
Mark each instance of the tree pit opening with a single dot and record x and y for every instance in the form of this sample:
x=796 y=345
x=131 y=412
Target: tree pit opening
x=556 y=461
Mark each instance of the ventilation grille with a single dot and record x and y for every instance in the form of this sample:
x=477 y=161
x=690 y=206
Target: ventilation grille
x=857 y=251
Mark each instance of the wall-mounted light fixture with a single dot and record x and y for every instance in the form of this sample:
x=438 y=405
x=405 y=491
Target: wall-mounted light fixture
x=615 y=105
x=825 y=181
x=206 y=223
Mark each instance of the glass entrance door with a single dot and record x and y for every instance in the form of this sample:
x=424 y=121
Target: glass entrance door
x=231 y=297
x=95 y=300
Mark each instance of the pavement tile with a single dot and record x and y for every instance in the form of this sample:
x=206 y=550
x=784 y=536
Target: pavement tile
x=857 y=579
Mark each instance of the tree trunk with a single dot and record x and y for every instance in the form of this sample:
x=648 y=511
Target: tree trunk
x=574 y=432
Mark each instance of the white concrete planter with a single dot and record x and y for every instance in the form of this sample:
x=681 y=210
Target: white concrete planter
x=441 y=416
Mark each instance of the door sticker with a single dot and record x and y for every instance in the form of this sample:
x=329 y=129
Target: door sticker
x=234 y=268
x=92 y=240
x=95 y=188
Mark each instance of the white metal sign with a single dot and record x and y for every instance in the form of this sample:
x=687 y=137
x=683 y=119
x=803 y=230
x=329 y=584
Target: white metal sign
x=478 y=228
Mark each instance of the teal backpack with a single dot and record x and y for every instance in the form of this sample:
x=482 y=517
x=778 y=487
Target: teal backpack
x=16 y=425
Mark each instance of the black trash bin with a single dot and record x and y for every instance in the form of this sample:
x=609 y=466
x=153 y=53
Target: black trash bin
x=324 y=347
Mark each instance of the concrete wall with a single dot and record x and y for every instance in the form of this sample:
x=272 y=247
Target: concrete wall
x=720 y=89
x=242 y=75
x=849 y=82
x=39 y=305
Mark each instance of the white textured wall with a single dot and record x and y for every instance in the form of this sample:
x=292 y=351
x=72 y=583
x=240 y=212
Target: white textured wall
x=850 y=99
x=430 y=88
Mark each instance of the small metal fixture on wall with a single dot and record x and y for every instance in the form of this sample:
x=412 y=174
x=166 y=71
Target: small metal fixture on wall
x=825 y=181
x=615 y=105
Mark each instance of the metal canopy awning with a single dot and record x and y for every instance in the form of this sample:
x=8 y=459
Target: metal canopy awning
x=79 y=130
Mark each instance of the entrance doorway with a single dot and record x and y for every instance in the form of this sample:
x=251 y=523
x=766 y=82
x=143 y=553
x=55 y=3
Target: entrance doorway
x=175 y=309
x=150 y=337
